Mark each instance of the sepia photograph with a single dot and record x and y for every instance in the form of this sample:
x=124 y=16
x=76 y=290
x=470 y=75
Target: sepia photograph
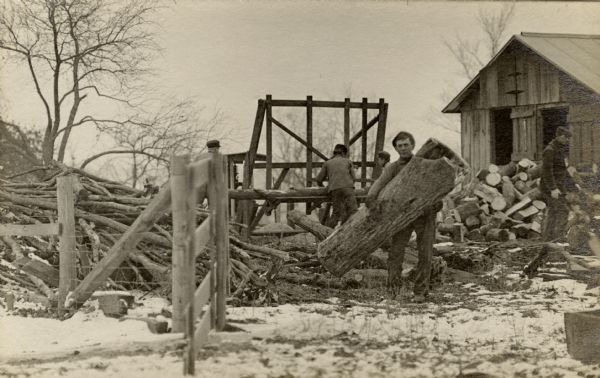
x=299 y=189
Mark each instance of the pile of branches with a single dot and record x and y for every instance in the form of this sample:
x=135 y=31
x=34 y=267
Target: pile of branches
x=104 y=210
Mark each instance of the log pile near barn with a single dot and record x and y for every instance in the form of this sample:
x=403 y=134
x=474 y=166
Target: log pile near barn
x=505 y=203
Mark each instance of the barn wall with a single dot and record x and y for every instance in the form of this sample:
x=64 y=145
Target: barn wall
x=476 y=137
x=584 y=123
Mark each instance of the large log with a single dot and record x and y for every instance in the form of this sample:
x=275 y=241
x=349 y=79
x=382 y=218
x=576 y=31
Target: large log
x=421 y=184
x=305 y=222
x=292 y=195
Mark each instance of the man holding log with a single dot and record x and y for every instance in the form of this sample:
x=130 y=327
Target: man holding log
x=339 y=173
x=424 y=226
x=554 y=185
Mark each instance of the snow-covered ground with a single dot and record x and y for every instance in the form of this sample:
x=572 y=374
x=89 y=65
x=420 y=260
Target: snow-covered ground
x=475 y=332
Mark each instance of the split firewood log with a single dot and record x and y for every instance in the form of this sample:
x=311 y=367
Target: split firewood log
x=493 y=179
x=497 y=234
x=526 y=213
x=508 y=170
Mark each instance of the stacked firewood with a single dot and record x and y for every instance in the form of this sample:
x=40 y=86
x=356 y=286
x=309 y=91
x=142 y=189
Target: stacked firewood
x=504 y=204
x=104 y=210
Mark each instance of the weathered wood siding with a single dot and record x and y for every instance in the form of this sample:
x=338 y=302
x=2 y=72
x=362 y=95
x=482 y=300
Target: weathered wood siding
x=584 y=123
x=476 y=137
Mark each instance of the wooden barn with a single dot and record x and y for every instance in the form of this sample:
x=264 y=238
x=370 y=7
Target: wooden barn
x=535 y=83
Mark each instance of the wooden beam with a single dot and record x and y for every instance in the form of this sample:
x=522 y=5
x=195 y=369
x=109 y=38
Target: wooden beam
x=323 y=104
x=202 y=237
x=179 y=216
x=67 y=257
x=302 y=141
x=40 y=229
x=202 y=294
x=347 y=122
x=117 y=253
x=189 y=267
x=297 y=164
x=357 y=136
x=269 y=171
x=363 y=152
x=221 y=237
x=380 y=138
x=295 y=195
x=309 y=140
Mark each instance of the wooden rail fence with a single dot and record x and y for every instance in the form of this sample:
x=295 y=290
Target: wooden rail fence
x=198 y=310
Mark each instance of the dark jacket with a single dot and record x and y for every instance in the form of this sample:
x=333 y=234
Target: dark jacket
x=554 y=169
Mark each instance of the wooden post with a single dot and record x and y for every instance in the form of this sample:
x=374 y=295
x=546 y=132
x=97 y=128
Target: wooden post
x=347 y=123
x=218 y=209
x=309 y=142
x=363 y=157
x=189 y=269
x=66 y=218
x=269 y=149
x=380 y=139
x=179 y=213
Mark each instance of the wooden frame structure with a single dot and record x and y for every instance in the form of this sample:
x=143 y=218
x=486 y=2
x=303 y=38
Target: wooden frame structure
x=264 y=115
x=64 y=229
x=190 y=184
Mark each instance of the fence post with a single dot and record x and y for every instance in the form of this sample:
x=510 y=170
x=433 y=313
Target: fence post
x=221 y=237
x=179 y=214
x=66 y=218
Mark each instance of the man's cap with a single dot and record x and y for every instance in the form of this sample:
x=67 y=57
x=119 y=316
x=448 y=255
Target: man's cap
x=213 y=144
x=384 y=155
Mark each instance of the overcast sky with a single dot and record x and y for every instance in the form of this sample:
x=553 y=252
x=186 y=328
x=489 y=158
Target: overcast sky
x=230 y=54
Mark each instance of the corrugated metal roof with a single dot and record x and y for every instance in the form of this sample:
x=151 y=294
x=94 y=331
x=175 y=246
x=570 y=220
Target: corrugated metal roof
x=576 y=55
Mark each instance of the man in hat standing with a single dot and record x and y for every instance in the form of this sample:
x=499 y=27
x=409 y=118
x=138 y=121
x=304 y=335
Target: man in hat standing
x=339 y=173
x=554 y=185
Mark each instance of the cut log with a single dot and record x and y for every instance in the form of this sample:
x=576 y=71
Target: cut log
x=518 y=206
x=526 y=213
x=521 y=230
x=472 y=222
x=307 y=223
x=485 y=209
x=534 y=172
x=484 y=196
x=467 y=209
x=499 y=203
x=526 y=164
x=475 y=235
x=521 y=186
x=421 y=184
x=509 y=169
x=481 y=174
x=497 y=234
x=493 y=179
x=508 y=191
x=540 y=205
x=521 y=176
x=446 y=228
x=493 y=168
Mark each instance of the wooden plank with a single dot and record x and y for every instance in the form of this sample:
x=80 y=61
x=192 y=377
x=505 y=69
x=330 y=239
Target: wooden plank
x=299 y=139
x=309 y=140
x=199 y=172
x=201 y=336
x=323 y=104
x=202 y=237
x=380 y=138
x=117 y=253
x=363 y=152
x=179 y=215
x=40 y=229
x=67 y=255
x=347 y=122
x=269 y=147
x=296 y=195
x=202 y=295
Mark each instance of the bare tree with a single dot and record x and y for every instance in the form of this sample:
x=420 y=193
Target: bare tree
x=174 y=129
x=86 y=49
x=472 y=54
x=19 y=150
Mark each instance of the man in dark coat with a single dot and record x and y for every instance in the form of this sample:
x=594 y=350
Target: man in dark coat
x=404 y=143
x=555 y=183
x=339 y=173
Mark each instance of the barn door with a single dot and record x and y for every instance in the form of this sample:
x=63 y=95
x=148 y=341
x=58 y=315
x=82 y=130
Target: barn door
x=524 y=133
x=584 y=123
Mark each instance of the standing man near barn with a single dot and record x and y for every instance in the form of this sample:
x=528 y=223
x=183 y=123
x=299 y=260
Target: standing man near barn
x=383 y=158
x=404 y=143
x=339 y=173
x=554 y=185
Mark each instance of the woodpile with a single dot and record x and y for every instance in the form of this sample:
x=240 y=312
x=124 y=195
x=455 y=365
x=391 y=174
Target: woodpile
x=504 y=204
x=104 y=210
